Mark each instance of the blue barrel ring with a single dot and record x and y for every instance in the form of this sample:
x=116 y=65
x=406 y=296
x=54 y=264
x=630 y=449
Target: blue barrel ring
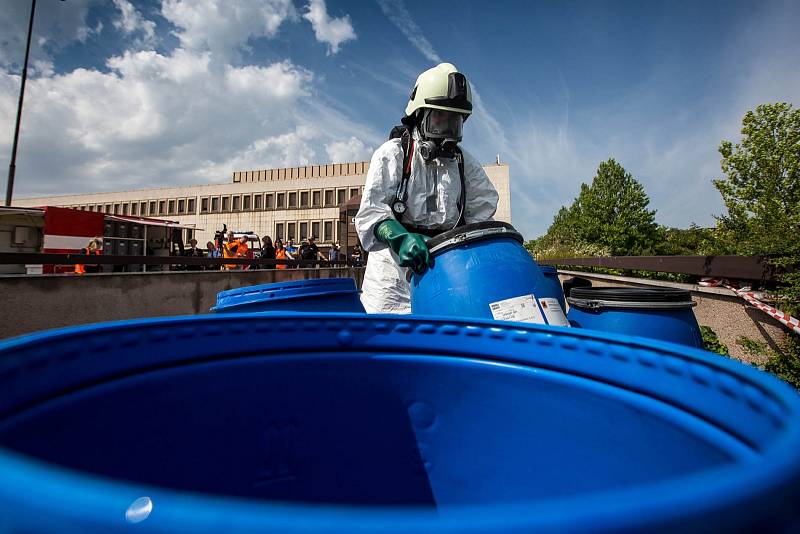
x=505 y=420
x=314 y=294
x=655 y=312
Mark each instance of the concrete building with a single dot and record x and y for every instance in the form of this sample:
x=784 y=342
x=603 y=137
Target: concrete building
x=288 y=203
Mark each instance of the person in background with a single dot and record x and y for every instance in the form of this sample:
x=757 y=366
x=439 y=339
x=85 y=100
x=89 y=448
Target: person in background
x=236 y=249
x=193 y=252
x=94 y=248
x=333 y=253
x=291 y=249
x=268 y=251
x=357 y=257
x=212 y=253
x=309 y=251
x=282 y=254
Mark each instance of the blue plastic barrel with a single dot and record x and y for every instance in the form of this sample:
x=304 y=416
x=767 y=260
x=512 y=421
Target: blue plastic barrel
x=370 y=423
x=319 y=294
x=482 y=270
x=659 y=313
x=551 y=276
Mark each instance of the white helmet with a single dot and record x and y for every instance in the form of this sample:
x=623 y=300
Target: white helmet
x=441 y=87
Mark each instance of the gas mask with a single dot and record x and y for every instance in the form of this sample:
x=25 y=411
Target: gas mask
x=441 y=133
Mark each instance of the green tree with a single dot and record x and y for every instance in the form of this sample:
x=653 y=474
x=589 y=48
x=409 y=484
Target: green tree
x=762 y=188
x=761 y=191
x=690 y=241
x=609 y=217
x=612 y=212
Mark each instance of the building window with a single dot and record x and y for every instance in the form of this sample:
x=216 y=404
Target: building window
x=203 y=205
x=181 y=206
x=329 y=197
x=171 y=205
x=304 y=199
x=190 y=206
x=341 y=196
x=257 y=202
x=293 y=199
x=99 y=208
x=226 y=203
x=237 y=202
x=315 y=198
x=246 y=202
x=290 y=227
x=215 y=204
x=152 y=208
x=315 y=230
x=162 y=207
x=279 y=231
x=142 y=208
x=328 y=230
x=353 y=192
x=303 y=231
x=116 y=209
x=269 y=201
x=125 y=209
x=280 y=201
x=134 y=208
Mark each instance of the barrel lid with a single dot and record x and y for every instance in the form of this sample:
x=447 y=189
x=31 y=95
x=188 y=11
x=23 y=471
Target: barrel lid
x=284 y=290
x=472 y=232
x=633 y=297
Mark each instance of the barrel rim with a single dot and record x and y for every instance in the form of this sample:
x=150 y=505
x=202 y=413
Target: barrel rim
x=717 y=490
x=278 y=291
x=470 y=233
x=649 y=305
x=632 y=294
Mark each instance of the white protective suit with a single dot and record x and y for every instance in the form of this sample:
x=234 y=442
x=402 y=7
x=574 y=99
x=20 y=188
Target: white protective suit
x=434 y=191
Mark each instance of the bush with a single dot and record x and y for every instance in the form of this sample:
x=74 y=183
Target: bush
x=785 y=363
x=711 y=342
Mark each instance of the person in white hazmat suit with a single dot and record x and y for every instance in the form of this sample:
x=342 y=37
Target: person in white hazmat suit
x=418 y=186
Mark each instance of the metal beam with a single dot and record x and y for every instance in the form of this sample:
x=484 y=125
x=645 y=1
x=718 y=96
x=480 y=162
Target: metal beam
x=734 y=267
x=23 y=258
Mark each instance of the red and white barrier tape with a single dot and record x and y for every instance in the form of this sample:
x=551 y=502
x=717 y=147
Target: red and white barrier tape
x=790 y=322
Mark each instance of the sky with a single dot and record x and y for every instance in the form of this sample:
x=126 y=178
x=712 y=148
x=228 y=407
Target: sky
x=125 y=95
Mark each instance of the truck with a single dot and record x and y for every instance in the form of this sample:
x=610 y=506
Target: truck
x=52 y=229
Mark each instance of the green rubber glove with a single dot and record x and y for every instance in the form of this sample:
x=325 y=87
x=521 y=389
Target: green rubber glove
x=412 y=249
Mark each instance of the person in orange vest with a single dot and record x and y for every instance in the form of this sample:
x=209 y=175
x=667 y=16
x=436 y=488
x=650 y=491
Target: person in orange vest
x=282 y=254
x=94 y=248
x=236 y=249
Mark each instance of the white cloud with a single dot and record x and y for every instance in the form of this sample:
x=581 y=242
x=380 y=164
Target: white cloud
x=352 y=149
x=55 y=25
x=397 y=13
x=222 y=26
x=327 y=29
x=132 y=22
x=184 y=117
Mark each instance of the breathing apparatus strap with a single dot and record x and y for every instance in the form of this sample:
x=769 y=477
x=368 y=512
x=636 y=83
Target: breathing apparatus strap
x=401 y=194
x=463 y=200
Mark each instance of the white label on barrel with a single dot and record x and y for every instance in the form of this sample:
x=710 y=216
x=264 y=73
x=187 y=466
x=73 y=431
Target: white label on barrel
x=521 y=309
x=553 y=312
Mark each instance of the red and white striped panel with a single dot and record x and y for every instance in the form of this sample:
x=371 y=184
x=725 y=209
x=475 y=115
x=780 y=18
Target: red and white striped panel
x=784 y=318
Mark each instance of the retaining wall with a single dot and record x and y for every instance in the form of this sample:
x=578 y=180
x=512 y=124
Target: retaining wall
x=34 y=303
